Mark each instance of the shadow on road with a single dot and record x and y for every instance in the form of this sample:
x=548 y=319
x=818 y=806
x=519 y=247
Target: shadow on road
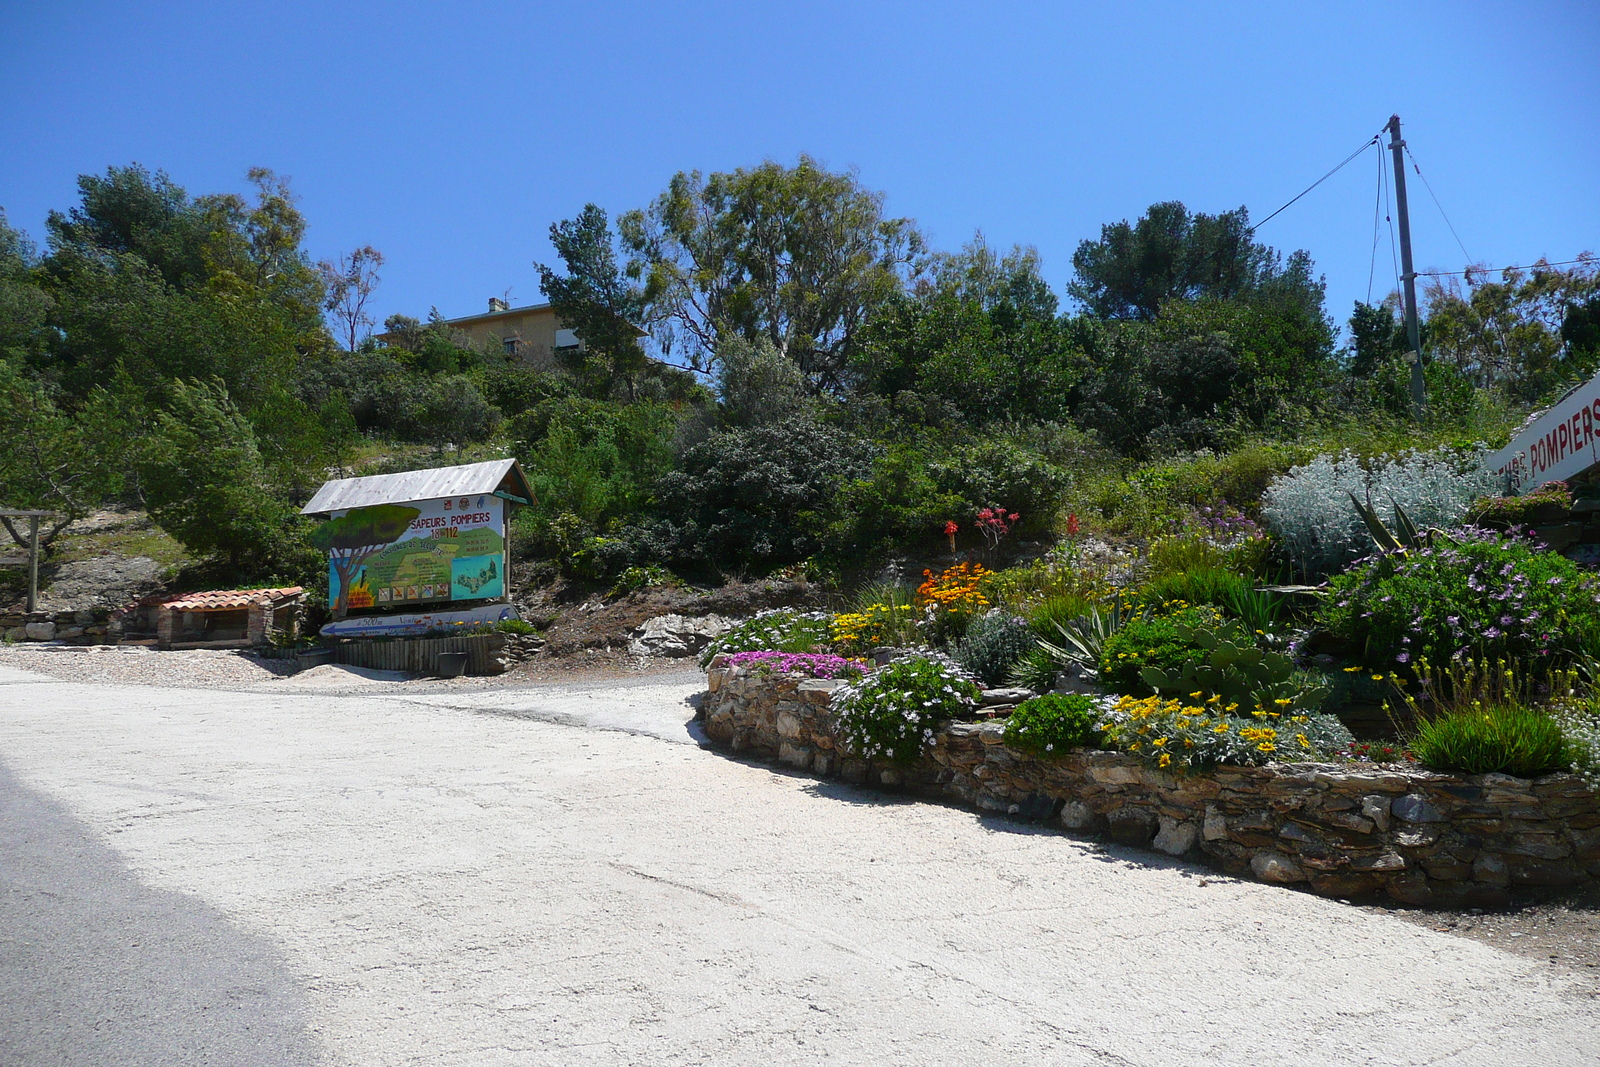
x=97 y=968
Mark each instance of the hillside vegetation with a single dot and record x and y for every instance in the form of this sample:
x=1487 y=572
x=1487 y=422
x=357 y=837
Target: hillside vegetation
x=819 y=389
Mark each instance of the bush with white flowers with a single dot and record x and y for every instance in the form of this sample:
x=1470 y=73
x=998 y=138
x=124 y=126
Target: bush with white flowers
x=892 y=714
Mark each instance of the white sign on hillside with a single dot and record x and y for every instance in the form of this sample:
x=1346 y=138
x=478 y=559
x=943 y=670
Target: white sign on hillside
x=1562 y=442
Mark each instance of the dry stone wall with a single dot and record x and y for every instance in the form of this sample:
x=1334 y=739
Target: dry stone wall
x=1340 y=830
x=88 y=627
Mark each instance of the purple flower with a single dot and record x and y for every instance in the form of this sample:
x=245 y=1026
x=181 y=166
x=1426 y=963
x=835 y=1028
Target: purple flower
x=1404 y=657
x=1491 y=633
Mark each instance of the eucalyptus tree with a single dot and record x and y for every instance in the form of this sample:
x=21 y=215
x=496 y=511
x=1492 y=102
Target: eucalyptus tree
x=800 y=256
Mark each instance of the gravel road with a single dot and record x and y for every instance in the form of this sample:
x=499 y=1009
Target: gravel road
x=393 y=875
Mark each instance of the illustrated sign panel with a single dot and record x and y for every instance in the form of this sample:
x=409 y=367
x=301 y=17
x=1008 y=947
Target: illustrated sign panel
x=1558 y=444
x=425 y=552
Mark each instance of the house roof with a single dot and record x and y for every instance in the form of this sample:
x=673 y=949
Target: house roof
x=469 y=479
x=485 y=316
x=228 y=599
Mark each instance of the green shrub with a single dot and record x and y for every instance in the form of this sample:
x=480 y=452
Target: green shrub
x=1022 y=589
x=892 y=713
x=1504 y=739
x=1203 y=585
x=782 y=630
x=1003 y=469
x=1046 y=615
x=1036 y=670
x=642 y=576
x=1555 y=497
x=758 y=497
x=1054 y=723
x=1477 y=595
x=993 y=645
x=515 y=626
x=1150 y=642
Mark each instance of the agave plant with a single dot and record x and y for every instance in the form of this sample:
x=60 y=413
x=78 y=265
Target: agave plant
x=1084 y=637
x=1406 y=535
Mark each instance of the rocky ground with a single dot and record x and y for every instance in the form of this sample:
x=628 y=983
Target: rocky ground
x=580 y=622
x=105 y=560
x=1561 y=928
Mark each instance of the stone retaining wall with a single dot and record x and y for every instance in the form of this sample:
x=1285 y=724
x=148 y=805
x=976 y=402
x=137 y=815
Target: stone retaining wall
x=96 y=627
x=1341 y=830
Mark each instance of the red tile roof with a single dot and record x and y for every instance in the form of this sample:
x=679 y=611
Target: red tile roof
x=228 y=599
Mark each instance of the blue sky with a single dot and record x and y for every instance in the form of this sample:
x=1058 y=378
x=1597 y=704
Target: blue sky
x=450 y=136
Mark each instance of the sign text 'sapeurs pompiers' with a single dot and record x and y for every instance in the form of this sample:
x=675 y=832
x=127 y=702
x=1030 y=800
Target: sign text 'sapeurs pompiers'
x=423 y=552
x=1558 y=444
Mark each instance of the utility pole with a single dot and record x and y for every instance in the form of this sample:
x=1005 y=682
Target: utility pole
x=1408 y=275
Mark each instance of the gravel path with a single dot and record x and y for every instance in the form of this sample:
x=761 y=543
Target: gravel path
x=195 y=668
x=290 y=877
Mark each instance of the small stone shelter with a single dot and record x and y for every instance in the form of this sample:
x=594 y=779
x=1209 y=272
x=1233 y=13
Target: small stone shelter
x=228 y=618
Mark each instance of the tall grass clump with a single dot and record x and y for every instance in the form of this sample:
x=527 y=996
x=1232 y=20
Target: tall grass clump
x=1503 y=739
x=1480 y=717
x=1309 y=508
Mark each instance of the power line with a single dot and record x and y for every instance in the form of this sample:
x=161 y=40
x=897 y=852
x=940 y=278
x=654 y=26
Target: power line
x=1447 y=222
x=1500 y=270
x=1377 y=200
x=1374 y=139
x=1388 y=216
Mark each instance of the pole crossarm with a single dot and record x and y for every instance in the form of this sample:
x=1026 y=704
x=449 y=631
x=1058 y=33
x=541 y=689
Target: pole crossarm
x=32 y=558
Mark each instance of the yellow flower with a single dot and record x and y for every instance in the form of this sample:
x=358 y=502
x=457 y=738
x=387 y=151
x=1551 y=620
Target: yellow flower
x=1161 y=742
x=1304 y=743
x=1353 y=670
x=1266 y=746
x=1282 y=701
x=1165 y=759
x=1377 y=677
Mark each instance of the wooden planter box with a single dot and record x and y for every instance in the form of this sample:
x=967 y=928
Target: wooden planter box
x=486 y=653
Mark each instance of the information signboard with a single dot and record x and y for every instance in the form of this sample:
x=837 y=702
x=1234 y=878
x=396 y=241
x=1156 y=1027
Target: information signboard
x=424 y=552
x=1560 y=443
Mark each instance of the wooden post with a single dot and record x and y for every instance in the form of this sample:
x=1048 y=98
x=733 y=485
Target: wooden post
x=33 y=561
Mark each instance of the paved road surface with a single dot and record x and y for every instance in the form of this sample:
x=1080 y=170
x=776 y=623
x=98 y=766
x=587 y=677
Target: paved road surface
x=561 y=876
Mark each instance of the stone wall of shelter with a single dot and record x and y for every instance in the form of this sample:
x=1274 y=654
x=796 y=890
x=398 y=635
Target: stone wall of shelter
x=1340 y=830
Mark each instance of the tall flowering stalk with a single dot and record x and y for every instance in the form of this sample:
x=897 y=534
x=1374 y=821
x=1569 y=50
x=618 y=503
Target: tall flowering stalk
x=994 y=523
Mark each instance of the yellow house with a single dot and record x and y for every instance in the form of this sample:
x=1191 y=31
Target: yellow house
x=532 y=334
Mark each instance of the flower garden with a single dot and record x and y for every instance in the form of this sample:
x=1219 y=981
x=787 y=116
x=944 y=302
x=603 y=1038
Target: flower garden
x=1423 y=721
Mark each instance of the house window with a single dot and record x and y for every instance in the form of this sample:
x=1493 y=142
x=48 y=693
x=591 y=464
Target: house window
x=510 y=344
x=566 y=339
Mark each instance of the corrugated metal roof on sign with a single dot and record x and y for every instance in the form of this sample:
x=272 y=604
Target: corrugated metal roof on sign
x=469 y=479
